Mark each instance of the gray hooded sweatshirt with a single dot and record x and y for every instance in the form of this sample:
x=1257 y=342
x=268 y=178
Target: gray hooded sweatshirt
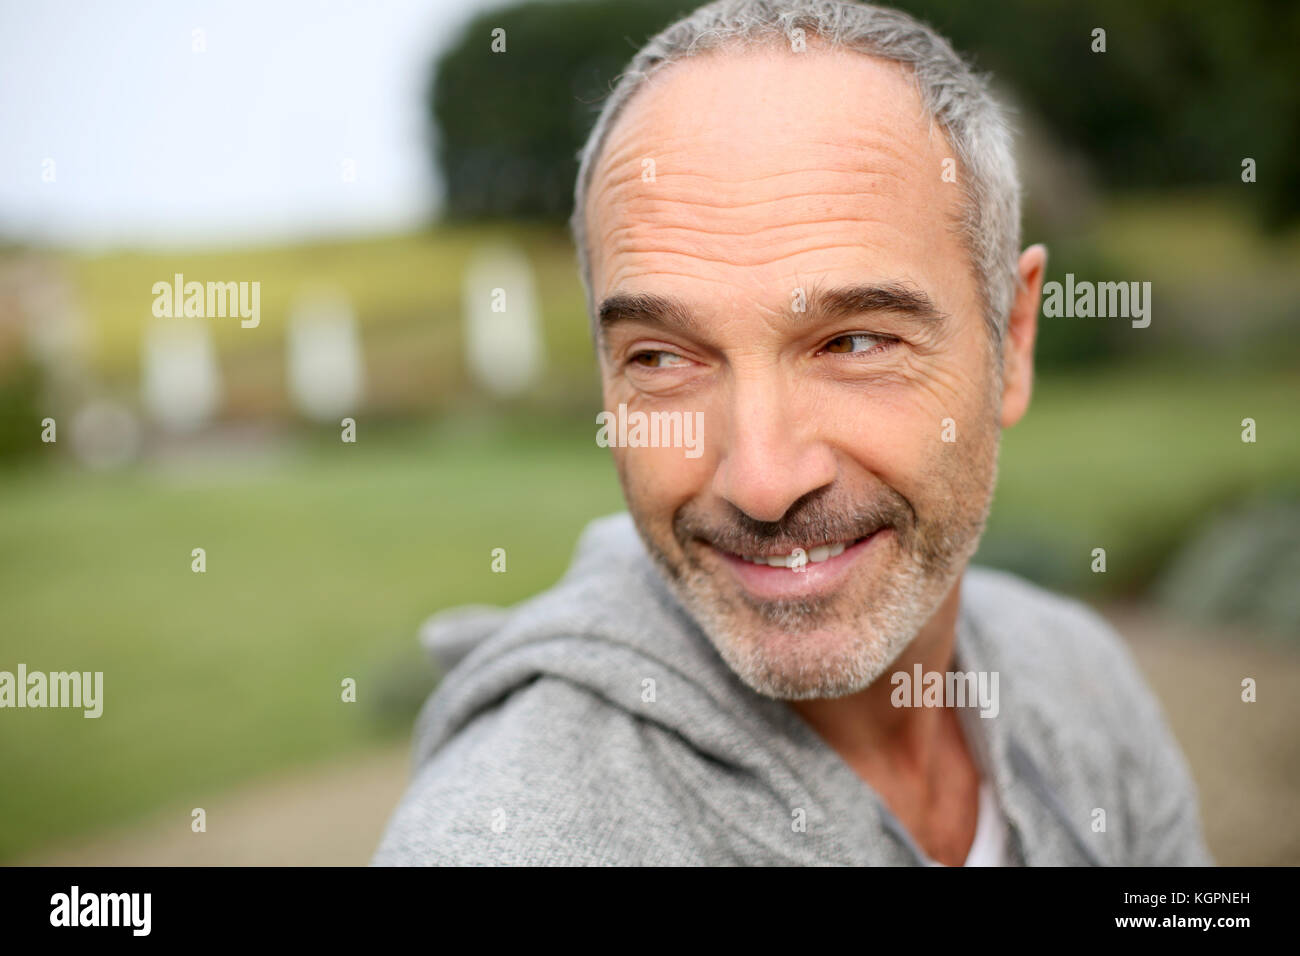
x=596 y=724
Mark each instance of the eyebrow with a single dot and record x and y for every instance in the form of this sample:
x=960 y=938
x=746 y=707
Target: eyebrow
x=673 y=314
x=890 y=297
x=648 y=308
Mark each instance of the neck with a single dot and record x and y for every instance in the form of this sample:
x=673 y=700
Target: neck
x=866 y=729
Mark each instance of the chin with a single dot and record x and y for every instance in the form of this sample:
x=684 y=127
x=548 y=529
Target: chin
x=804 y=663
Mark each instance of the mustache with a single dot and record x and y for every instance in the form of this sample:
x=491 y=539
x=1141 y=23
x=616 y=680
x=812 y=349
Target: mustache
x=810 y=522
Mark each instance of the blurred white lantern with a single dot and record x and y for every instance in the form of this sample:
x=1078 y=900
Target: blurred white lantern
x=503 y=341
x=181 y=383
x=326 y=373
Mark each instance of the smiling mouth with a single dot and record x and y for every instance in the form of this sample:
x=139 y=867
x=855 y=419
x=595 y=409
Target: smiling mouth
x=803 y=573
x=814 y=554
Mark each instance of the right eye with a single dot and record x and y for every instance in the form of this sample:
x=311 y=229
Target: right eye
x=656 y=358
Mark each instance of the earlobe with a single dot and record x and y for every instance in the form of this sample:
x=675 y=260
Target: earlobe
x=1021 y=331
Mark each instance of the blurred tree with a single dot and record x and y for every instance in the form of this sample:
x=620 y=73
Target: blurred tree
x=509 y=123
x=1184 y=92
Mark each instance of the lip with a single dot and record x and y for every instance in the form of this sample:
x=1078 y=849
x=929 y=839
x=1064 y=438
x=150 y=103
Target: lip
x=765 y=583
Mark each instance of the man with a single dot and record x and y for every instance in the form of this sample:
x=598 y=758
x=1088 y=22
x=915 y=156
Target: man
x=798 y=225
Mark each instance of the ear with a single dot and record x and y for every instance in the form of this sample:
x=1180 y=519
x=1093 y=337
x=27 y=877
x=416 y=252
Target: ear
x=1022 y=329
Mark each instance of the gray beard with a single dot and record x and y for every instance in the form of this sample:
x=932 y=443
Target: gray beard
x=794 y=659
x=802 y=665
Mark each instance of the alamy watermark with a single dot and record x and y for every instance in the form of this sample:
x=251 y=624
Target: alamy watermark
x=651 y=430
x=76 y=908
x=84 y=689
x=1102 y=300
x=948 y=689
x=212 y=300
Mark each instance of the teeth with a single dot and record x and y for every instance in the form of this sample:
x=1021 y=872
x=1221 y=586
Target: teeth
x=823 y=552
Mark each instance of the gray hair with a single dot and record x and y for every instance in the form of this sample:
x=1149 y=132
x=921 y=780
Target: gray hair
x=955 y=97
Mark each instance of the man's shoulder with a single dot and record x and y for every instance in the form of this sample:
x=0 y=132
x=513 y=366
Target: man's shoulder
x=990 y=592
x=1060 y=662
x=552 y=774
x=1039 y=628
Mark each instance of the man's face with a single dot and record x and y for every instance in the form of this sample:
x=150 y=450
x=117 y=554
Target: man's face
x=862 y=429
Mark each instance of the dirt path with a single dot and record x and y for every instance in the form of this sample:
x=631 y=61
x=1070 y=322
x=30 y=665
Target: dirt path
x=332 y=815
x=1245 y=757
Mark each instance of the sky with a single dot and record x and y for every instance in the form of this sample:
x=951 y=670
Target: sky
x=120 y=125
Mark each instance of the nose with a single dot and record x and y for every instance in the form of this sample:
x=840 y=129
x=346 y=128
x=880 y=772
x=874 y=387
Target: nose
x=772 y=455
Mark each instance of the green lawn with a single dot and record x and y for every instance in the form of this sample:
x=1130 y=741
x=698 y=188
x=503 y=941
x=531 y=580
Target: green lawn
x=318 y=568
x=1134 y=461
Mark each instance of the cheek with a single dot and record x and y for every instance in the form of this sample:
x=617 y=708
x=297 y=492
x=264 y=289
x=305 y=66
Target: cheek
x=658 y=481
x=925 y=433
x=895 y=437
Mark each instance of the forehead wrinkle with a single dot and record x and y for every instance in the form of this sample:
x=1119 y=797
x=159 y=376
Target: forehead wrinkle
x=709 y=198
x=800 y=155
x=784 y=256
x=623 y=222
x=690 y=204
x=874 y=160
x=628 y=244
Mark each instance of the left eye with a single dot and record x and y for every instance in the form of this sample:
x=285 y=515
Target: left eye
x=856 y=342
x=657 y=359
